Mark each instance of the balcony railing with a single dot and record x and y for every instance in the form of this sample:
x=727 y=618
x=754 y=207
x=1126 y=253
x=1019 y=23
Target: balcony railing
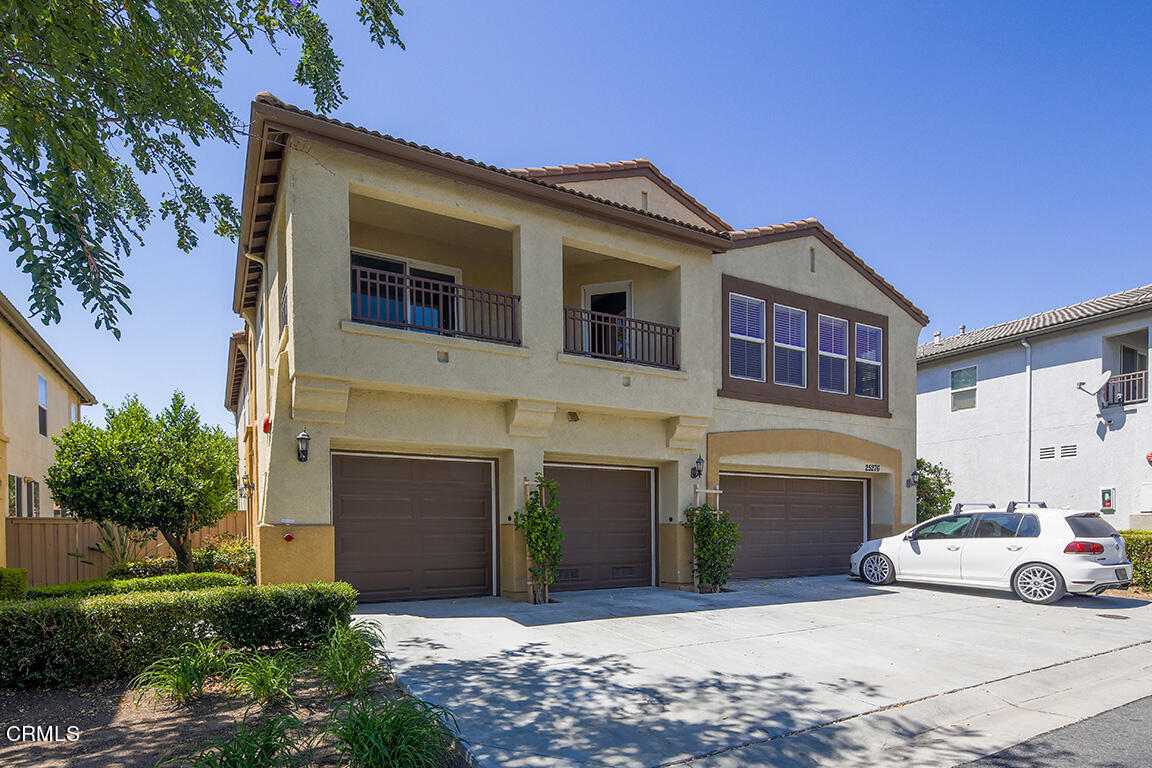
x=434 y=306
x=611 y=337
x=1126 y=388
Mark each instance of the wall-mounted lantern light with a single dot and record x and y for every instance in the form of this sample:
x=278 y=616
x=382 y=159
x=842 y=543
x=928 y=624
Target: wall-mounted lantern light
x=913 y=479
x=697 y=470
x=243 y=491
x=302 y=445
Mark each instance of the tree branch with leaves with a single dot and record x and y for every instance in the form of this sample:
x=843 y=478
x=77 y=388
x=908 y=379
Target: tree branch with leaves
x=95 y=95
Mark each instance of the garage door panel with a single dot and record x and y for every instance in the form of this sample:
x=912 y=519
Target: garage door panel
x=413 y=528
x=793 y=526
x=606 y=515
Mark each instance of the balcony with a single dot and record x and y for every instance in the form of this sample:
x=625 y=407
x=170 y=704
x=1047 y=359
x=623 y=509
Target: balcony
x=1126 y=388
x=626 y=339
x=399 y=300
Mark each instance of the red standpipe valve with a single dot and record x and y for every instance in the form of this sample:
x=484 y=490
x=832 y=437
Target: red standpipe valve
x=288 y=537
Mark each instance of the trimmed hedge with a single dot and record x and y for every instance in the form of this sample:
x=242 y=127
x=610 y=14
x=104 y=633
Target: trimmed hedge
x=13 y=583
x=71 y=640
x=1139 y=546
x=181 y=582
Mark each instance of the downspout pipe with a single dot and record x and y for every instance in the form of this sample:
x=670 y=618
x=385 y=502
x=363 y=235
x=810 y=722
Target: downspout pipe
x=1028 y=410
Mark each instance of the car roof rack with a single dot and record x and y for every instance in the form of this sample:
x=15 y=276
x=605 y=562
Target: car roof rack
x=1013 y=504
x=961 y=504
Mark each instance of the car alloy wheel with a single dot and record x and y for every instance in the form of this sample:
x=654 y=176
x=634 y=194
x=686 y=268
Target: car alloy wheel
x=1038 y=583
x=877 y=569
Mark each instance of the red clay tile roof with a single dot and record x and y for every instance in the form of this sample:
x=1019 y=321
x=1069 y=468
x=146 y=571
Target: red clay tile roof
x=638 y=167
x=267 y=98
x=1053 y=320
x=806 y=227
x=537 y=176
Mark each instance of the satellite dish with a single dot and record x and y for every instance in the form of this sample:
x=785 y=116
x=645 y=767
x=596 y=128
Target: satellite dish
x=1094 y=385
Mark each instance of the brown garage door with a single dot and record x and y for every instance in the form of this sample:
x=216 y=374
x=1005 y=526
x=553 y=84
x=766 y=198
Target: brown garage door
x=412 y=528
x=793 y=526
x=606 y=515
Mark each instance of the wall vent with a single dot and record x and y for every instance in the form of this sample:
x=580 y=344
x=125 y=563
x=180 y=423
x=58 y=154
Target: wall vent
x=1067 y=451
x=1048 y=453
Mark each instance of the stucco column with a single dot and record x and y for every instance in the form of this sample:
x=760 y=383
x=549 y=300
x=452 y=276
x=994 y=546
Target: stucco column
x=524 y=460
x=537 y=277
x=674 y=540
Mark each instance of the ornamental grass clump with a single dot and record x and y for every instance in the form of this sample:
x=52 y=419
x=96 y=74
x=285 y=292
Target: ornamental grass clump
x=401 y=733
x=271 y=741
x=714 y=539
x=351 y=659
x=266 y=678
x=181 y=678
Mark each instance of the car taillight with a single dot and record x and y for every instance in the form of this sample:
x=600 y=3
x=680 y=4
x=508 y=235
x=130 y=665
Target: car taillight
x=1084 y=548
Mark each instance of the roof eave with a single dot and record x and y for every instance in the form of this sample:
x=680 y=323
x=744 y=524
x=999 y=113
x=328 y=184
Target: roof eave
x=25 y=330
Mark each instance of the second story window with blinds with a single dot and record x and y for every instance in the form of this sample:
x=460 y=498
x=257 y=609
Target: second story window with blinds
x=833 y=354
x=42 y=407
x=869 y=360
x=745 y=337
x=790 y=346
x=964 y=388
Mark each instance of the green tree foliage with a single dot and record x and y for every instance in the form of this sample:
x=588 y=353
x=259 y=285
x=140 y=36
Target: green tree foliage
x=542 y=534
x=166 y=472
x=933 y=490
x=714 y=538
x=97 y=94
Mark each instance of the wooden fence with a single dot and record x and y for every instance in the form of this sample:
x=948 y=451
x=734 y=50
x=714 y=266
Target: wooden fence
x=41 y=546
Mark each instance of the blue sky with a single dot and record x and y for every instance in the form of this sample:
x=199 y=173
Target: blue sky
x=991 y=160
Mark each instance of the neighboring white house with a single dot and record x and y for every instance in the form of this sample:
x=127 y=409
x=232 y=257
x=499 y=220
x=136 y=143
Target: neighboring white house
x=1052 y=407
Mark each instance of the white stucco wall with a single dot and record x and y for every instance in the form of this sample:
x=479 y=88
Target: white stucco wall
x=986 y=448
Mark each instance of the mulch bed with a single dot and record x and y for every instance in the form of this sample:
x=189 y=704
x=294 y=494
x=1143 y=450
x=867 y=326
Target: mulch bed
x=115 y=733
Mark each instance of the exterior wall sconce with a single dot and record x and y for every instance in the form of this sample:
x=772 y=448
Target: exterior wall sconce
x=302 y=445
x=698 y=470
x=913 y=479
x=243 y=491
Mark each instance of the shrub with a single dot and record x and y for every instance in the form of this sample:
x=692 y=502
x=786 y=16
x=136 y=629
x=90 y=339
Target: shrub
x=542 y=535
x=181 y=678
x=266 y=678
x=227 y=553
x=714 y=538
x=181 y=582
x=1139 y=546
x=251 y=745
x=13 y=583
x=146 y=568
x=402 y=733
x=351 y=658
x=70 y=640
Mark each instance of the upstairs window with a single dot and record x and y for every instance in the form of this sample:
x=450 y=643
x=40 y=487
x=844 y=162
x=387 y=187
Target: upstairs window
x=964 y=388
x=790 y=350
x=42 y=408
x=745 y=337
x=869 y=361
x=833 y=354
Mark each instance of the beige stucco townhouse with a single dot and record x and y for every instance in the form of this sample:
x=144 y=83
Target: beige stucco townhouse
x=39 y=397
x=443 y=330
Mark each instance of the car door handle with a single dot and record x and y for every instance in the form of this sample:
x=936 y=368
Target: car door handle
x=953 y=547
x=1014 y=547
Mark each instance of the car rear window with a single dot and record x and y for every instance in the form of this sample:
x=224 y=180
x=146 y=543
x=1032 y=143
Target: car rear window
x=1090 y=527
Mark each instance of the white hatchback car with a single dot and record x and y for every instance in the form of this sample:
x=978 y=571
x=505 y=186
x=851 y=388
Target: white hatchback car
x=1036 y=552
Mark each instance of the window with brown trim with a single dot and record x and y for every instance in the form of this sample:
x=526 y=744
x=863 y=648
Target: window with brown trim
x=847 y=371
x=42 y=404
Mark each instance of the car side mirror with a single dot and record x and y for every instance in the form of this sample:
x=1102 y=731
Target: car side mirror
x=909 y=536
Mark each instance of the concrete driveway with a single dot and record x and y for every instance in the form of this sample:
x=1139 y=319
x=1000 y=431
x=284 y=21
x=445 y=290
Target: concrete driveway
x=810 y=671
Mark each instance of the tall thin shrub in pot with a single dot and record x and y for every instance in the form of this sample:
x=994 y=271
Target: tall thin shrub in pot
x=542 y=535
x=714 y=539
